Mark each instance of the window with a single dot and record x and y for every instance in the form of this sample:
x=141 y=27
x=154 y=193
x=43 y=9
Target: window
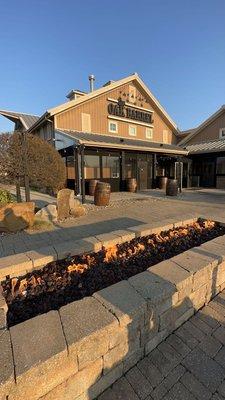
x=132 y=130
x=113 y=127
x=86 y=122
x=165 y=136
x=70 y=167
x=222 y=133
x=220 y=165
x=92 y=167
x=110 y=167
x=149 y=133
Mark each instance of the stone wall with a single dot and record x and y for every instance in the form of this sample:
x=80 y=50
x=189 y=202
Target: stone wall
x=77 y=352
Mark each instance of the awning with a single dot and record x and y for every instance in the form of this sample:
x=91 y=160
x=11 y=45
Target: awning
x=107 y=141
x=212 y=146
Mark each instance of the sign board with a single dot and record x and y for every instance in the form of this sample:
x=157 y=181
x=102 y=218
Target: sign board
x=121 y=110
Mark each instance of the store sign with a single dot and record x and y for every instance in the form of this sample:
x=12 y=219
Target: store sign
x=121 y=110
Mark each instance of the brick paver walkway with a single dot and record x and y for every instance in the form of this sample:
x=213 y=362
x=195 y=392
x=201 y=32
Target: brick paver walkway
x=126 y=210
x=188 y=365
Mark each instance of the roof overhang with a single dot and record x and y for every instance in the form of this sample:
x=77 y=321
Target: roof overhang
x=122 y=143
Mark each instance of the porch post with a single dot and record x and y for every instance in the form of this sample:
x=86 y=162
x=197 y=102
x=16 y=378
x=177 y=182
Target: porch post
x=76 y=171
x=82 y=174
x=154 y=170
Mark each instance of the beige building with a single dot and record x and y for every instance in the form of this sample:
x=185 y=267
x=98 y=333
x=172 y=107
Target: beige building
x=116 y=132
x=206 y=148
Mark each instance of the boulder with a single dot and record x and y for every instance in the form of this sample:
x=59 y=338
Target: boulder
x=76 y=208
x=15 y=217
x=64 y=198
x=68 y=206
x=48 y=213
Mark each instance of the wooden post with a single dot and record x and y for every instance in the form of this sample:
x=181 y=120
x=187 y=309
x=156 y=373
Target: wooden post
x=76 y=171
x=25 y=166
x=82 y=174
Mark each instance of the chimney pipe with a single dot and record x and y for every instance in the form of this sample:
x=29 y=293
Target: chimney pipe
x=91 y=79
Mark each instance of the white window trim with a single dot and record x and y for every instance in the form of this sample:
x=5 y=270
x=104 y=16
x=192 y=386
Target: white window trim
x=220 y=133
x=146 y=130
x=132 y=126
x=113 y=122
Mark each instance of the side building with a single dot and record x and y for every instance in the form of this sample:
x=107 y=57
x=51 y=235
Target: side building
x=116 y=132
x=206 y=149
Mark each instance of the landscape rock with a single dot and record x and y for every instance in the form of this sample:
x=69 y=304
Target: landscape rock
x=48 y=213
x=16 y=216
x=64 y=198
x=76 y=208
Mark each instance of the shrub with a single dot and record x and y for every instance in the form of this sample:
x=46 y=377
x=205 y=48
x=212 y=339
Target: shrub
x=44 y=166
x=6 y=197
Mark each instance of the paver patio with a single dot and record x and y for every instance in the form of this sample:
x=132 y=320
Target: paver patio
x=188 y=365
x=126 y=210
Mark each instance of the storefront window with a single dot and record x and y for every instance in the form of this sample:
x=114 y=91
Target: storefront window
x=110 y=167
x=130 y=166
x=70 y=167
x=220 y=165
x=92 y=167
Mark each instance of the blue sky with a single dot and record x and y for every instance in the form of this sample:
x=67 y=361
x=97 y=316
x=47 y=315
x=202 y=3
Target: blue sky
x=177 y=47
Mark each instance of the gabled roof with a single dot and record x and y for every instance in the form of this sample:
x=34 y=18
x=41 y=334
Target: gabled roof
x=97 y=139
x=208 y=121
x=113 y=85
x=27 y=120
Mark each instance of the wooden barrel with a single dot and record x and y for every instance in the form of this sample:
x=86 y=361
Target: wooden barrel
x=131 y=184
x=92 y=186
x=102 y=194
x=172 y=187
x=162 y=182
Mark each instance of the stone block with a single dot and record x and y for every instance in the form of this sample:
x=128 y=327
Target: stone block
x=7 y=381
x=198 y=297
x=124 y=235
x=177 y=315
x=15 y=265
x=150 y=371
x=124 y=350
x=108 y=239
x=96 y=244
x=72 y=248
x=87 y=326
x=104 y=382
x=173 y=273
x=141 y=230
x=40 y=356
x=132 y=359
x=158 y=338
x=197 y=264
x=124 y=302
x=158 y=292
x=42 y=257
x=115 y=357
x=78 y=385
x=214 y=250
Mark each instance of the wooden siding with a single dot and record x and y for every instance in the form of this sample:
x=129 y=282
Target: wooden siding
x=97 y=108
x=210 y=132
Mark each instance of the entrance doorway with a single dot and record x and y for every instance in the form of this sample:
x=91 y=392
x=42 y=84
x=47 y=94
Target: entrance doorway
x=208 y=173
x=142 y=175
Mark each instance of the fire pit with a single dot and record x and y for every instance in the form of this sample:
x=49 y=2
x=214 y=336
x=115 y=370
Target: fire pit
x=73 y=278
